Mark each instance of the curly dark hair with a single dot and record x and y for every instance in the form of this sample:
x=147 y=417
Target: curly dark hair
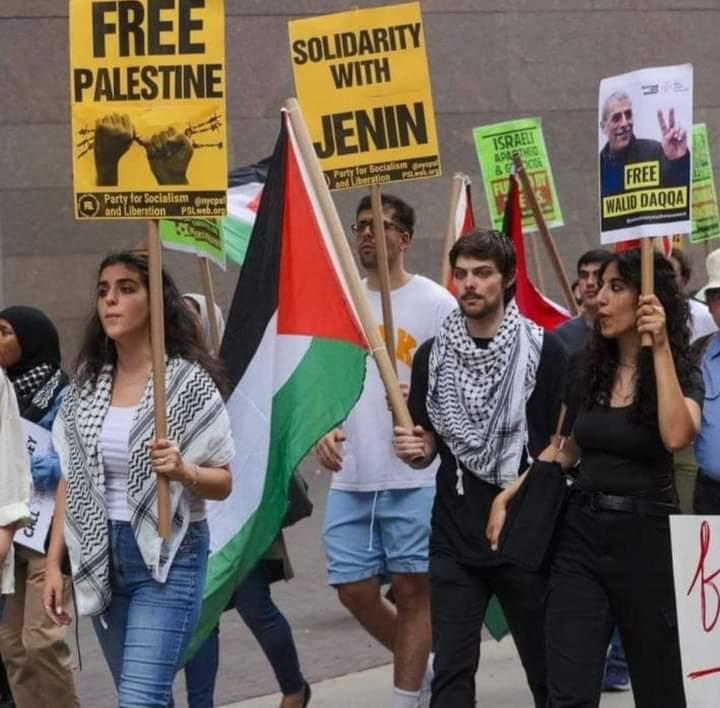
x=183 y=336
x=601 y=356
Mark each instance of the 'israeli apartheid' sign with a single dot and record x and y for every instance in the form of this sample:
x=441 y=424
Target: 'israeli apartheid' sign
x=645 y=121
x=363 y=82
x=495 y=145
x=705 y=216
x=696 y=572
x=147 y=94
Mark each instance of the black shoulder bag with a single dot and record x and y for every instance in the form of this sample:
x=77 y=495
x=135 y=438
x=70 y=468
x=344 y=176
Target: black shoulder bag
x=534 y=511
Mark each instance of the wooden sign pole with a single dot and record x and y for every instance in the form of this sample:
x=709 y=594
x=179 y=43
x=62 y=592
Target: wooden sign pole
x=157 y=339
x=209 y=293
x=347 y=264
x=550 y=246
x=383 y=271
x=456 y=187
x=647 y=275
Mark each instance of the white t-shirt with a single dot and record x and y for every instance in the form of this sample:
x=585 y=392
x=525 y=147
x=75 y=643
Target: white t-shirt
x=369 y=460
x=114 y=437
x=701 y=321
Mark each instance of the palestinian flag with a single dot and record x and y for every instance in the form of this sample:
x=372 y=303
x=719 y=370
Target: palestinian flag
x=295 y=355
x=530 y=301
x=230 y=235
x=245 y=186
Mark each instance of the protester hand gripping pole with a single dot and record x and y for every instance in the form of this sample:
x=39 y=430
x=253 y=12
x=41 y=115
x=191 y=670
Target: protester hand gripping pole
x=347 y=263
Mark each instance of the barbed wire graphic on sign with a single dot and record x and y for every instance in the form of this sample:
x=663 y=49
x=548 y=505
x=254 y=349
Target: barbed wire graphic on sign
x=86 y=143
x=168 y=151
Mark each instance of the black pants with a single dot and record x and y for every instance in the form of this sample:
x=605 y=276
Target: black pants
x=612 y=566
x=707 y=495
x=459 y=596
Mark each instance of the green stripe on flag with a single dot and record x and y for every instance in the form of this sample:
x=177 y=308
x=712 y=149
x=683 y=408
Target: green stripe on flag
x=236 y=234
x=310 y=404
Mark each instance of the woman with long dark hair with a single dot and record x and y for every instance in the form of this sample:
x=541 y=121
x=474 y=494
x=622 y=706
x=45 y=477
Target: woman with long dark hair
x=37 y=658
x=612 y=556
x=144 y=593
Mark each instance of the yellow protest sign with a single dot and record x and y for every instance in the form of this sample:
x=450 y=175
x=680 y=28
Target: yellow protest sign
x=363 y=82
x=147 y=96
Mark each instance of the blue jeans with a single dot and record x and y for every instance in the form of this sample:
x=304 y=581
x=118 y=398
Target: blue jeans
x=269 y=627
x=148 y=625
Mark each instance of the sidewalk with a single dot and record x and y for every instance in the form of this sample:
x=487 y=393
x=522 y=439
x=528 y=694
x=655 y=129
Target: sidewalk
x=500 y=683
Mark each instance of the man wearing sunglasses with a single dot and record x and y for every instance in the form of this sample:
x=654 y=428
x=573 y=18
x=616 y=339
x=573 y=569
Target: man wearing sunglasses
x=377 y=521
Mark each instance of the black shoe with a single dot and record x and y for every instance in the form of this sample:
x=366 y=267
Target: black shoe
x=308 y=695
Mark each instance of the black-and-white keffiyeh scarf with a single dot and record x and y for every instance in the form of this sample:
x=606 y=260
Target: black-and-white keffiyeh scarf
x=196 y=420
x=37 y=389
x=477 y=396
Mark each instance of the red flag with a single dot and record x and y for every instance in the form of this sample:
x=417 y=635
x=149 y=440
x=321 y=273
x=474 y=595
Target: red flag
x=530 y=301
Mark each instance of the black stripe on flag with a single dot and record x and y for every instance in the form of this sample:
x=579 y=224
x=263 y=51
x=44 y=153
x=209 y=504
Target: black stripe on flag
x=256 y=294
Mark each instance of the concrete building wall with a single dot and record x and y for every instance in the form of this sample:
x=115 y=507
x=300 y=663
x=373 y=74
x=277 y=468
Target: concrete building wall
x=490 y=60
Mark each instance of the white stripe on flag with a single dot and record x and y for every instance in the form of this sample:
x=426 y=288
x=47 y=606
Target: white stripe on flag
x=250 y=410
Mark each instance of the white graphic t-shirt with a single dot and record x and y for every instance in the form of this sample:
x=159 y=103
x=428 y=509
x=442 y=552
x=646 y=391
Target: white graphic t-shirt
x=369 y=460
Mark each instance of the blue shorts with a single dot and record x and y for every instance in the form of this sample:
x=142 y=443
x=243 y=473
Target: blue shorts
x=369 y=534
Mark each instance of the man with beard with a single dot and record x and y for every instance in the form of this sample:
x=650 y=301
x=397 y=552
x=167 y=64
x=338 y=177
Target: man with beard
x=485 y=394
x=574 y=333
x=377 y=520
x=623 y=148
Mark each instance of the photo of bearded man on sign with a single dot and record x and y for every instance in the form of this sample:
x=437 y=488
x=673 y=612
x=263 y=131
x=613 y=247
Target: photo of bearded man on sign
x=623 y=147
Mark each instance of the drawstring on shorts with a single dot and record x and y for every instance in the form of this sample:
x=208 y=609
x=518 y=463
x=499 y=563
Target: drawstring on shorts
x=372 y=521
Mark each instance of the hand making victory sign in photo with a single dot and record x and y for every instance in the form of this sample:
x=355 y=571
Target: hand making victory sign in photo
x=674 y=139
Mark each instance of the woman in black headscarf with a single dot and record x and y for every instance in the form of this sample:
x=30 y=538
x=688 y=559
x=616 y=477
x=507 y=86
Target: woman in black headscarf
x=30 y=355
x=36 y=656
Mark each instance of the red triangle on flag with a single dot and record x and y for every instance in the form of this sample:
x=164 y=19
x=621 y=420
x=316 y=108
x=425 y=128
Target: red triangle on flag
x=311 y=298
x=530 y=301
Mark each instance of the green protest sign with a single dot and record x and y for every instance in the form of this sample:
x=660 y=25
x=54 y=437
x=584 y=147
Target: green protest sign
x=495 y=145
x=203 y=237
x=705 y=216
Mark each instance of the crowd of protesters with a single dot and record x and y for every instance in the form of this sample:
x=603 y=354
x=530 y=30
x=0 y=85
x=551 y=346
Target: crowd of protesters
x=422 y=509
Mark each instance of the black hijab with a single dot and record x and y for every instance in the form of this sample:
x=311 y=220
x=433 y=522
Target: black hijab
x=37 y=377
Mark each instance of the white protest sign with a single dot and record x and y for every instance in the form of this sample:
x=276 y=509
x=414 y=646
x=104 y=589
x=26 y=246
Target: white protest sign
x=696 y=569
x=645 y=129
x=42 y=504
